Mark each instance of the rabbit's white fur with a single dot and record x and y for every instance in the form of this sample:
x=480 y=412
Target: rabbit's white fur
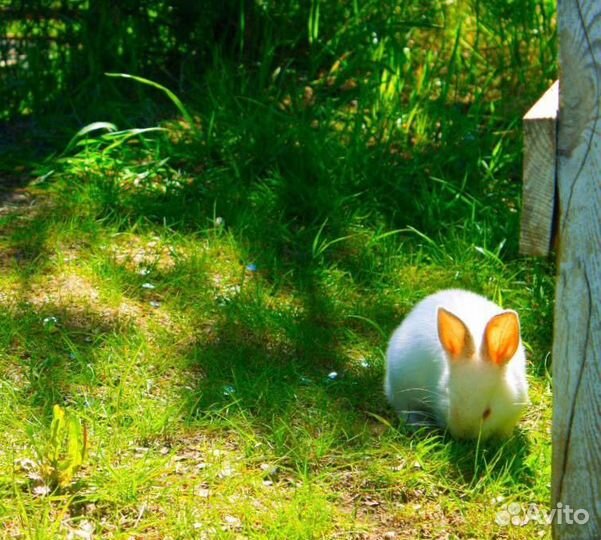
x=469 y=394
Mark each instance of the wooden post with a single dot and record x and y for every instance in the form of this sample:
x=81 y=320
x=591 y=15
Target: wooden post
x=577 y=342
x=540 y=171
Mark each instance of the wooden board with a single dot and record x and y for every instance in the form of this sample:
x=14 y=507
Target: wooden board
x=577 y=341
x=540 y=156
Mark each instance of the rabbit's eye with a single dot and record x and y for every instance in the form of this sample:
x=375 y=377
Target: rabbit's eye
x=486 y=413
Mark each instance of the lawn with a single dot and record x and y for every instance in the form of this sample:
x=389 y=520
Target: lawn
x=205 y=286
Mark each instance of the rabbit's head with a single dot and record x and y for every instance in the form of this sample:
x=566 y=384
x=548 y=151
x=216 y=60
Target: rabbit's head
x=485 y=396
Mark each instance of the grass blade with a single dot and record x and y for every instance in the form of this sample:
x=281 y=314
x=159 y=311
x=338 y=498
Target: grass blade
x=172 y=97
x=94 y=126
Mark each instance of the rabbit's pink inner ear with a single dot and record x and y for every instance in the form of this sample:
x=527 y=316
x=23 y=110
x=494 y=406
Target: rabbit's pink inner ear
x=502 y=337
x=454 y=336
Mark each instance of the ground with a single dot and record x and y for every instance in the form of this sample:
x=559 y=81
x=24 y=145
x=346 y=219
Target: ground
x=223 y=398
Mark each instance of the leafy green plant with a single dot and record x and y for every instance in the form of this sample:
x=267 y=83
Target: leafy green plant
x=65 y=451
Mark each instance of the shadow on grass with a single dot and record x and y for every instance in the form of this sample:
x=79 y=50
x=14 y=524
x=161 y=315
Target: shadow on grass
x=282 y=369
x=471 y=465
x=52 y=350
x=265 y=357
x=492 y=460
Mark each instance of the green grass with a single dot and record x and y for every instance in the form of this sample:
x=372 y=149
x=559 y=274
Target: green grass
x=186 y=293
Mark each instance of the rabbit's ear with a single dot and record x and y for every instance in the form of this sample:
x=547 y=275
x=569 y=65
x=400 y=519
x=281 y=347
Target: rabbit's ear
x=454 y=336
x=501 y=337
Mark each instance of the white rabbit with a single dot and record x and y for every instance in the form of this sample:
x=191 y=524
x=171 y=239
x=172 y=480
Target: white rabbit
x=458 y=358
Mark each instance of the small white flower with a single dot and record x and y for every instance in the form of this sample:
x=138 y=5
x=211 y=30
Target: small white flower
x=41 y=491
